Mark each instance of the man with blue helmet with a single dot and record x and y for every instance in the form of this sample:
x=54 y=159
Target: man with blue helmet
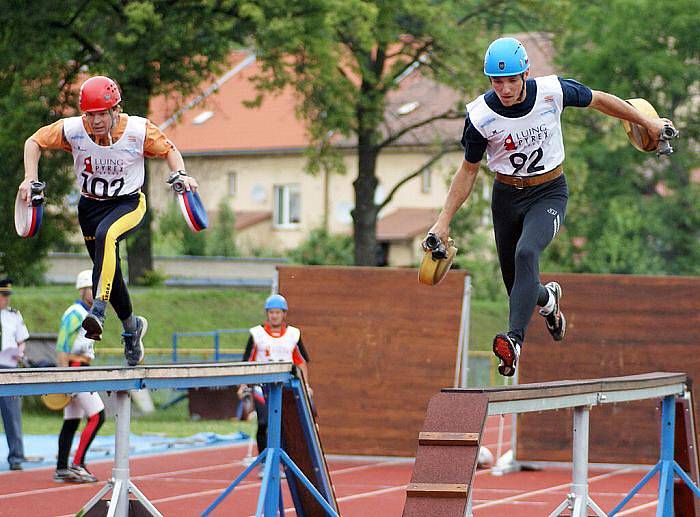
x=274 y=340
x=518 y=125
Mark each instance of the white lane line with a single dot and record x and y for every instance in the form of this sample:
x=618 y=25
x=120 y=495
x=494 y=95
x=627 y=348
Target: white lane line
x=66 y=487
x=137 y=457
x=525 y=495
x=639 y=508
x=258 y=484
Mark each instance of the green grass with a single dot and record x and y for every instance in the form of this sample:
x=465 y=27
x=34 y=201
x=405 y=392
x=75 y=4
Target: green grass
x=168 y=310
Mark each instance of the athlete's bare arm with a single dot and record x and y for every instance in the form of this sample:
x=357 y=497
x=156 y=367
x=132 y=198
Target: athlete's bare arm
x=176 y=163
x=460 y=189
x=616 y=107
x=32 y=154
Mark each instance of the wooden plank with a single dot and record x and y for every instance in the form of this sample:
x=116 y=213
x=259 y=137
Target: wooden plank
x=456 y=439
x=437 y=490
x=552 y=389
x=686 y=455
x=25 y=376
x=295 y=444
x=447 y=413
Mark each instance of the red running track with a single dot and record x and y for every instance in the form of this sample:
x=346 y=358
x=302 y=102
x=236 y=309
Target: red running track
x=185 y=483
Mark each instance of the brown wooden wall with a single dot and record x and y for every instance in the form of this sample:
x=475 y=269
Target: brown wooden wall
x=617 y=325
x=381 y=345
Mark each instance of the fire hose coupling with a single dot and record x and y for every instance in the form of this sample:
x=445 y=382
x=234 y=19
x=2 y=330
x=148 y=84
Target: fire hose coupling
x=38 y=188
x=436 y=246
x=175 y=181
x=667 y=133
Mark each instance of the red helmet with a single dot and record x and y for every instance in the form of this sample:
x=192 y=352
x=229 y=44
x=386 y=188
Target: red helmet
x=99 y=93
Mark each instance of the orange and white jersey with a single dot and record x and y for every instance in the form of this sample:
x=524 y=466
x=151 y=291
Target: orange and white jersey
x=107 y=171
x=279 y=346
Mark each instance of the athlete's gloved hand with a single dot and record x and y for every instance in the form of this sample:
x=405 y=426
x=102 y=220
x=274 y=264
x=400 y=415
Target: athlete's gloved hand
x=180 y=181
x=657 y=126
x=190 y=183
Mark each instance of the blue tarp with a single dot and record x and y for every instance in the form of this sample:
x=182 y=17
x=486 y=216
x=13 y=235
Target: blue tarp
x=46 y=446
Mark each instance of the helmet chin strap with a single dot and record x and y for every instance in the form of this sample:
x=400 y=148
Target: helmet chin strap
x=112 y=124
x=521 y=97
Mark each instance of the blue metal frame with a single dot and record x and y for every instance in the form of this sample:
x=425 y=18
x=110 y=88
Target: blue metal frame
x=666 y=466
x=216 y=335
x=270 y=502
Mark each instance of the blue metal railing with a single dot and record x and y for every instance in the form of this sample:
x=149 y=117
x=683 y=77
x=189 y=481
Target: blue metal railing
x=216 y=335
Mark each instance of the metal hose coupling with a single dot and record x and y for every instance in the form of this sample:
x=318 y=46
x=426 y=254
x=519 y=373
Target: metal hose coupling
x=667 y=133
x=38 y=188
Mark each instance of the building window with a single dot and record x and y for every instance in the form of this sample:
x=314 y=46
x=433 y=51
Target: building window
x=232 y=183
x=426 y=178
x=287 y=205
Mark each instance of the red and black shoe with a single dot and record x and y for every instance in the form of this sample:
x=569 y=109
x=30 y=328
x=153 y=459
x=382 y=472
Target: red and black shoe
x=555 y=320
x=507 y=349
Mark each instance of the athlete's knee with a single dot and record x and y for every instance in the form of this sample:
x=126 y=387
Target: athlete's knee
x=101 y=235
x=100 y=419
x=526 y=254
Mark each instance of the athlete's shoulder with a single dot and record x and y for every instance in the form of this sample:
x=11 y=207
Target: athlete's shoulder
x=294 y=332
x=550 y=82
x=476 y=103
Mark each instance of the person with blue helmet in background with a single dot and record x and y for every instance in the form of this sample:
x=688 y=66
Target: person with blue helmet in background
x=272 y=341
x=517 y=123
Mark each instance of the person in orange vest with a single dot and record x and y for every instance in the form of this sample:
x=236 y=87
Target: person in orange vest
x=274 y=340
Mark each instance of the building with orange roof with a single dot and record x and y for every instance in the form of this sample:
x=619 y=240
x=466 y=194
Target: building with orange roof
x=252 y=158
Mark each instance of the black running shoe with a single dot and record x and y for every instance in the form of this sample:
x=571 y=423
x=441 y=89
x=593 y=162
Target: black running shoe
x=133 y=342
x=507 y=349
x=93 y=325
x=555 y=320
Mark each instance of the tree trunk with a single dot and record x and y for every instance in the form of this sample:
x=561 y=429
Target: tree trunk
x=364 y=214
x=136 y=94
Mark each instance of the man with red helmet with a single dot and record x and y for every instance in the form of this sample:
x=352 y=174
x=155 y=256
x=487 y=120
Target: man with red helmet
x=108 y=149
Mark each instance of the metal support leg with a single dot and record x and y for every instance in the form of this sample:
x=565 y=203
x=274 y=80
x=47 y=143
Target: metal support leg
x=668 y=430
x=268 y=502
x=120 y=484
x=666 y=466
x=578 y=501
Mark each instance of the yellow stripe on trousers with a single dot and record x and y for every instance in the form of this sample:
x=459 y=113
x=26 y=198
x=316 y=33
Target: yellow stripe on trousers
x=109 y=258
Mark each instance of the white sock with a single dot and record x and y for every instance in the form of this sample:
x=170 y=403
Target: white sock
x=549 y=306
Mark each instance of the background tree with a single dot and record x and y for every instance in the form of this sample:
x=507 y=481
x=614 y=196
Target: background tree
x=148 y=47
x=346 y=57
x=175 y=238
x=222 y=236
x=631 y=212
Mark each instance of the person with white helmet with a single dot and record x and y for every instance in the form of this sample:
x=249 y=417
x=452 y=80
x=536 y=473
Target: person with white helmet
x=108 y=149
x=274 y=340
x=517 y=123
x=75 y=349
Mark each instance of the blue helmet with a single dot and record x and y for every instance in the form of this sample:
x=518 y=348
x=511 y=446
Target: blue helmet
x=505 y=56
x=276 y=301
